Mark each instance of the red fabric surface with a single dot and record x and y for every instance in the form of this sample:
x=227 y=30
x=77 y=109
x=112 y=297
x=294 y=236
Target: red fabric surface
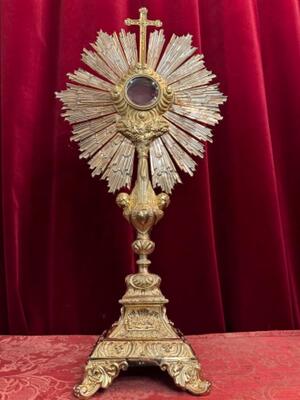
x=227 y=248
x=241 y=366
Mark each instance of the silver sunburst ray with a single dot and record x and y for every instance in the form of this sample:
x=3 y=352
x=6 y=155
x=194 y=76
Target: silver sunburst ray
x=89 y=106
x=196 y=106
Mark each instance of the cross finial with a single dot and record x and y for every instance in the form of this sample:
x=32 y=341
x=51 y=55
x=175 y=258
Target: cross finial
x=143 y=22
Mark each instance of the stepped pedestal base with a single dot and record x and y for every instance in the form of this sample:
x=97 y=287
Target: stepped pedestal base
x=142 y=336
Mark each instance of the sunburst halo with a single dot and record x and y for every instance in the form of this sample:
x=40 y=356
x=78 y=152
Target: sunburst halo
x=87 y=103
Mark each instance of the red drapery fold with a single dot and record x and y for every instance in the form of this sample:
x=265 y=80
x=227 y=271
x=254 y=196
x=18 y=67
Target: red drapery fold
x=227 y=248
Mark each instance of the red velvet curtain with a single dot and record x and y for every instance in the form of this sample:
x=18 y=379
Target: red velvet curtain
x=228 y=246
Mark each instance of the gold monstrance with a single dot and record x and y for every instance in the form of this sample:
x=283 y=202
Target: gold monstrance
x=156 y=104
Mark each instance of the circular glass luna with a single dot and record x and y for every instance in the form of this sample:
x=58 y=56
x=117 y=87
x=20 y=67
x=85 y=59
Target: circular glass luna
x=142 y=91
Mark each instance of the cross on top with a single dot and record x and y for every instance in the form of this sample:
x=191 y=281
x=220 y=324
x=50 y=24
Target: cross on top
x=143 y=23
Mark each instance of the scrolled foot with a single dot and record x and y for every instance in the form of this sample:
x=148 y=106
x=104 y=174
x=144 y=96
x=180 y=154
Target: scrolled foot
x=98 y=374
x=186 y=374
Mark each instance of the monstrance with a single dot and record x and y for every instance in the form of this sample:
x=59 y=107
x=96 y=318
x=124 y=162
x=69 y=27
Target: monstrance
x=155 y=105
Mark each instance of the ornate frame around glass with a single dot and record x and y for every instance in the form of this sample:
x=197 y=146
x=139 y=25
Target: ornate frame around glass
x=110 y=128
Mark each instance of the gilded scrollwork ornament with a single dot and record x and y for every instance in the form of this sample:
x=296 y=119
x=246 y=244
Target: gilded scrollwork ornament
x=98 y=374
x=186 y=375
